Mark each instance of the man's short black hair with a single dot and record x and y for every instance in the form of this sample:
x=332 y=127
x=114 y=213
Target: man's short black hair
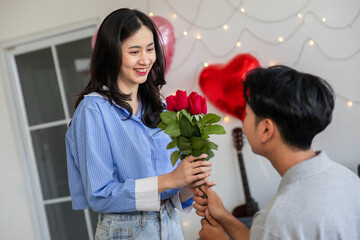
x=300 y=104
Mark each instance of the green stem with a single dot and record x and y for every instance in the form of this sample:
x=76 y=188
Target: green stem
x=204 y=196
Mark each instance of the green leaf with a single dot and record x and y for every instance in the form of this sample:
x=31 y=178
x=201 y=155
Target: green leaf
x=172 y=144
x=175 y=157
x=187 y=115
x=182 y=156
x=212 y=145
x=187 y=151
x=184 y=143
x=185 y=127
x=162 y=125
x=197 y=152
x=168 y=117
x=211 y=118
x=195 y=131
x=204 y=135
x=214 y=129
x=205 y=149
x=197 y=143
x=173 y=130
x=210 y=154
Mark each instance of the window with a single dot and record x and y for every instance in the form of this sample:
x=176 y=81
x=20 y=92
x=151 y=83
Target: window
x=45 y=73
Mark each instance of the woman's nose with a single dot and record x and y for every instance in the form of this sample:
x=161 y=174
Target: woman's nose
x=144 y=59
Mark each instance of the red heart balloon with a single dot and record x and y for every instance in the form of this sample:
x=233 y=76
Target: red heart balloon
x=168 y=36
x=222 y=84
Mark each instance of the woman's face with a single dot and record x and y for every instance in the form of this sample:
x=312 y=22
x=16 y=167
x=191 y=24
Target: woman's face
x=138 y=56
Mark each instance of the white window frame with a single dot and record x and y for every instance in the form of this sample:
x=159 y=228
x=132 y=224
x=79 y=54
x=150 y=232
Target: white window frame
x=21 y=130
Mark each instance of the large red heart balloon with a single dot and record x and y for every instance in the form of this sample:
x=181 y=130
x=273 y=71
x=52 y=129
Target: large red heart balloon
x=168 y=36
x=222 y=84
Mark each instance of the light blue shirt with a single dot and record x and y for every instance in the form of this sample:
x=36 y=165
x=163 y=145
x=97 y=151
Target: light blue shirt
x=113 y=163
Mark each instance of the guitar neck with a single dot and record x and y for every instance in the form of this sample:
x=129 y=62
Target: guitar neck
x=244 y=178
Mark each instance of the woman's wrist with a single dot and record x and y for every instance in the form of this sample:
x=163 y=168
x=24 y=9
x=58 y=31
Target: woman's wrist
x=165 y=182
x=186 y=193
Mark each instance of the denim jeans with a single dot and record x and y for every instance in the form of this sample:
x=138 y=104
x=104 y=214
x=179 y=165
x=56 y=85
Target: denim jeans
x=139 y=225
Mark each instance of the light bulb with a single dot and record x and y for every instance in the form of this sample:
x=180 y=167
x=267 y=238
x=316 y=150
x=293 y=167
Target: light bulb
x=238 y=44
x=299 y=15
x=311 y=42
x=350 y=103
x=226 y=119
x=280 y=39
x=242 y=10
x=206 y=64
x=225 y=27
x=198 y=36
x=185 y=224
x=185 y=33
x=323 y=19
x=174 y=16
x=151 y=14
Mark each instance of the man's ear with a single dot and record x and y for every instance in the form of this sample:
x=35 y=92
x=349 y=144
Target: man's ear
x=266 y=129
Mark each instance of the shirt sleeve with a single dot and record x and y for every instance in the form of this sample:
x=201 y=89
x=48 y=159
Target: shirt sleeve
x=92 y=158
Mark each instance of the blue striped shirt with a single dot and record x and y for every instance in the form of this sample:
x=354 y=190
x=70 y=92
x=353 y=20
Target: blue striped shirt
x=113 y=164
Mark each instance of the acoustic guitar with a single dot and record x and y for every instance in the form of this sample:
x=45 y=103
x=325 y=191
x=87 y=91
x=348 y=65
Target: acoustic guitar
x=250 y=207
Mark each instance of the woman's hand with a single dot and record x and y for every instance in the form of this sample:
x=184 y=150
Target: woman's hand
x=191 y=171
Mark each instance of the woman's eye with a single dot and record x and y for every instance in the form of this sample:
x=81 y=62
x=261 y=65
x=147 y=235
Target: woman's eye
x=150 y=49
x=135 y=52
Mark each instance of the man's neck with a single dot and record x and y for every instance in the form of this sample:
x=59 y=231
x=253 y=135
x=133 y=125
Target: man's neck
x=283 y=157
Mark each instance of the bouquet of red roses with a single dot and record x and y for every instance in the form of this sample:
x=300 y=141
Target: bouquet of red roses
x=189 y=126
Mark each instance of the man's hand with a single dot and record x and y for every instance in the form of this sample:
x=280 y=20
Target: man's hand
x=214 y=203
x=211 y=229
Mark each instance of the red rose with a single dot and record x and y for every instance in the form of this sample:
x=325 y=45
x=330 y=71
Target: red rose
x=203 y=105
x=170 y=103
x=177 y=102
x=197 y=104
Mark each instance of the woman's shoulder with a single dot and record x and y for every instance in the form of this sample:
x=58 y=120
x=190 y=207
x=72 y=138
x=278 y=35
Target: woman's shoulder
x=91 y=102
x=94 y=100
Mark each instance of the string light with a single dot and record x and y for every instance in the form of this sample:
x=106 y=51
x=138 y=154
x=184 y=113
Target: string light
x=206 y=64
x=300 y=14
x=185 y=223
x=272 y=64
x=226 y=119
x=151 y=14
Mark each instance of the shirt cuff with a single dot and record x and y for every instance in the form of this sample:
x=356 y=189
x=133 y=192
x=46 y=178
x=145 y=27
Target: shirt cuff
x=188 y=203
x=178 y=205
x=147 y=197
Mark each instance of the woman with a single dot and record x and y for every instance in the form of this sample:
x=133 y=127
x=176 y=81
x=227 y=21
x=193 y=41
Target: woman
x=116 y=164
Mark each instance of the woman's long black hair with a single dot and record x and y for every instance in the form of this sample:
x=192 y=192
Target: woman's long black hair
x=106 y=62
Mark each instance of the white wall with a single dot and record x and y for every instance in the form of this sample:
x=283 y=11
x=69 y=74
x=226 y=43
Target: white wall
x=335 y=57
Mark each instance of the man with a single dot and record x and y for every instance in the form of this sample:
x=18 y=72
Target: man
x=317 y=198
